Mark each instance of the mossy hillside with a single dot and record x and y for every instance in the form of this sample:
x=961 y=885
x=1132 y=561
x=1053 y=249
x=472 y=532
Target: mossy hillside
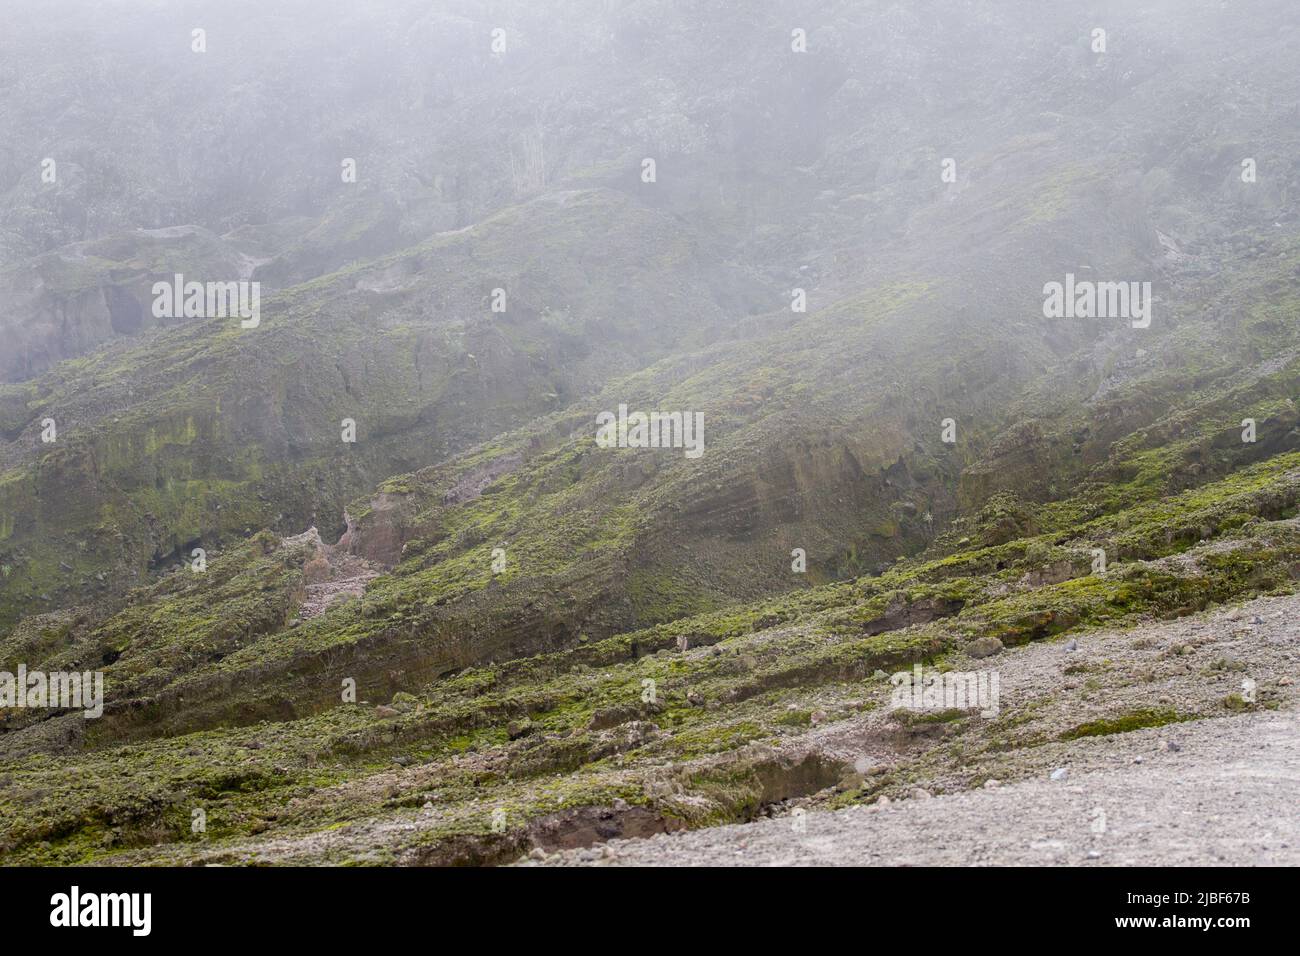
x=588 y=720
x=186 y=619
x=1211 y=419
x=248 y=422
x=786 y=464
x=1126 y=723
x=909 y=592
x=1223 y=351
x=355 y=229
x=99 y=290
x=1099 y=498
x=434 y=615
x=724 y=738
x=343 y=312
x=828 y=431
x=391 y=294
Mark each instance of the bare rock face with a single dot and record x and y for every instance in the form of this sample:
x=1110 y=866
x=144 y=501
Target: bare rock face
x=331 y=573
x=348 y=577
x=380 y=535
x=471 y=484
x=69 y=302
x=984 y=647
x=317 y=570
x=587 y=826
x=902 y=613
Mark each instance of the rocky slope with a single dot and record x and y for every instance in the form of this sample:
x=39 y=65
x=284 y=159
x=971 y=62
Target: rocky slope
x=555 y=644
x=1216 y=793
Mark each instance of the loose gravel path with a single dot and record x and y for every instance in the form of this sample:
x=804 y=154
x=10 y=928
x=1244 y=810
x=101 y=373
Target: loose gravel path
x=1219 y=790
x=1229 y=796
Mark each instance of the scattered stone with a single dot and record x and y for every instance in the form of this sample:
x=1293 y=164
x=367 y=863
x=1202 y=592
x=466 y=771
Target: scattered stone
x=920 y=793
x=383 y=710
x=519 y=728
x=984 y=647
x=992 y=783
x=403 y=702
x=817 y=717
x=1060 y=773
x=1094 y=854
x=537 y=853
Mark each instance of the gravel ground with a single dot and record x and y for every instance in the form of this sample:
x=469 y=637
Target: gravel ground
x=1220 y=785
x=1230 y=795
x=1218 y=790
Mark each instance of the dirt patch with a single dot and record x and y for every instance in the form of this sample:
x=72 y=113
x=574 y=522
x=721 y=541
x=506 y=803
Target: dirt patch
x=331 y=574
x=471 y=484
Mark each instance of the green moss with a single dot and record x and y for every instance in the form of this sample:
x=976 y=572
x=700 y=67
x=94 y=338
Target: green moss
x=1125 y=723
